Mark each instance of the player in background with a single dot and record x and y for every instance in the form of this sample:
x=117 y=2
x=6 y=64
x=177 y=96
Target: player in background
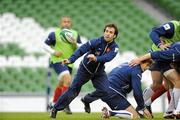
x=172 y=54
x=60 y=50
x=98 y=52
x=162 y=36
x=124 y=79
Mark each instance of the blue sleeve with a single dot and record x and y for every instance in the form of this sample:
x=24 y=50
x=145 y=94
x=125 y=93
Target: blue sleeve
x=82 y=50
x=109 y=55
x=166 y=30
x=51 y=40
x=79 y=39
x=136 y=86
x=166 y=55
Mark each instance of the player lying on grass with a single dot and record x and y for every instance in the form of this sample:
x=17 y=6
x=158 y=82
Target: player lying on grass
x=124 y=79
x=166 y=57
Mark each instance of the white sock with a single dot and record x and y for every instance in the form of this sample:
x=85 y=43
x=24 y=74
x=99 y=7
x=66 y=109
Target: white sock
x=148 y=102
x=122 y=114
x=147 y=93
x=178 y=106
x=171 y=104
x=176 y=95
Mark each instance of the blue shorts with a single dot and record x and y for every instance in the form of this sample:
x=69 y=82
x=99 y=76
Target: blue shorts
x=160 y=66
x=115 y=101
x=58 y=67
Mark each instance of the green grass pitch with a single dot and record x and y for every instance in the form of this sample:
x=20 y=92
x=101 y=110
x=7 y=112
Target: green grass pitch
x=60 y=116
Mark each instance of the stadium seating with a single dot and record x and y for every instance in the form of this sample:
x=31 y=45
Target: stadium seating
x=32 y=20
x=170 y=6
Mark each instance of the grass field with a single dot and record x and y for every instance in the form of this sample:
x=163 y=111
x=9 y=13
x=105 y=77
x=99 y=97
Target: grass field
x=60 y=116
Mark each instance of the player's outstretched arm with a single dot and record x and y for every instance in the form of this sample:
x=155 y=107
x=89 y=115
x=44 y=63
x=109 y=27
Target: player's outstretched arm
x=138 y=60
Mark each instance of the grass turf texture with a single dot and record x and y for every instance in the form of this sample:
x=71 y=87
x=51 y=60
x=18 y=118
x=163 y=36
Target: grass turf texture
x=60 y=116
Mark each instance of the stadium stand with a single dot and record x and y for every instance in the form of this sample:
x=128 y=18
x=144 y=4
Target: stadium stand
x=169 y=6
x=26 y=23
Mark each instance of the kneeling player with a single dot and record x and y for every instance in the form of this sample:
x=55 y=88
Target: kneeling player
x=123 y=79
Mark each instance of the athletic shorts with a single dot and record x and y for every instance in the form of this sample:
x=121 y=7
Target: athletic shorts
x=160 y=66
x=115 y=101
x=58 y=67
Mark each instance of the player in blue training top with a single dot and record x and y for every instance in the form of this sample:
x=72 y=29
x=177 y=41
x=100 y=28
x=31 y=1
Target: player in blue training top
x=124 y=79
x=172 y=55
x=98 y=52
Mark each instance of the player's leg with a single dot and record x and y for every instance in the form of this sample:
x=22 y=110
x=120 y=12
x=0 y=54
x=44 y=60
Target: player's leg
x=65 y=99
x=64 y=81
x=156 y=82
x=119 y=105
x=158 y=92
x=101 y=84
x=174 y=77
x=156 y=75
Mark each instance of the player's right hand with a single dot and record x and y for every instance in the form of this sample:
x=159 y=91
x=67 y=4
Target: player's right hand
x=65 y=61
x=58 y=53
x=147 y=114
x=135 y=62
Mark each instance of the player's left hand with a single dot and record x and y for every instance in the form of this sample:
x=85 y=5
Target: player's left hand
x=91 y=57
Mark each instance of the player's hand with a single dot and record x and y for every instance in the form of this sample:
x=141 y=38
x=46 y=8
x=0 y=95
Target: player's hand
x=164 y=46
x=65 y=61
x=91 y=57
x=135 y=62
x=147 y=114
x=58 y=53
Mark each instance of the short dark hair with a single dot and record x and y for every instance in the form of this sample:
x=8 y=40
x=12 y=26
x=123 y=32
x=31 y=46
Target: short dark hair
x=150 y=61
x=113 y=26
x=176 y=66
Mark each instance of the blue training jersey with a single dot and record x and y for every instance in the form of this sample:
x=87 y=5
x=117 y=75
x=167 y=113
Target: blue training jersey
x=170 y=55
x=160 y=31
x=104 y=52
x=124 y=79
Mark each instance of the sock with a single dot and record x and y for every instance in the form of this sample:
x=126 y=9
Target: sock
x=64 y=89
x=57 y=93
x=178 y=106
x=161 y=90
x=148 y=102
x=171 y=102
x=147 y=93
x=176 y=96
x=121 y=114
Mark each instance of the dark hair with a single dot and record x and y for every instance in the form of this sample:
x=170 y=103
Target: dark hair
x=113 y=26
x=150 y=61
x=176 y=66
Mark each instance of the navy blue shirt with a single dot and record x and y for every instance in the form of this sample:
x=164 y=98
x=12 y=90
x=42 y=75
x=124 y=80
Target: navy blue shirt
x=166 y=30
x=104 y=52
x=170 y=55
x=124 y=79
x=51 y=40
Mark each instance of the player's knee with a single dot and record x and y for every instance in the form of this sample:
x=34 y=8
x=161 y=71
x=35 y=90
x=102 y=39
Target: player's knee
x=155 y=85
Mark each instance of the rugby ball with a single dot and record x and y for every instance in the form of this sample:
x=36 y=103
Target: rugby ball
x=67 y=36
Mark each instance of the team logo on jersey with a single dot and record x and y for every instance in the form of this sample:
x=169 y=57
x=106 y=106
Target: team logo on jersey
x=107 y=50
x=116 y=50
